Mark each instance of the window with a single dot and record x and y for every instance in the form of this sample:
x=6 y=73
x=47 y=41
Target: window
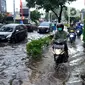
x=6 y=29
x=20 y=28
x=44 y=24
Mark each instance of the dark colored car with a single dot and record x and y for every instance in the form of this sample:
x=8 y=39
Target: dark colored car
x=44 y=27
x=31 y=27
x=13 y=32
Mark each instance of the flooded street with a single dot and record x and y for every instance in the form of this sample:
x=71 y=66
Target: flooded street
x=13 y=70
x=70 y=74
x=77 y=64
x=16 y=70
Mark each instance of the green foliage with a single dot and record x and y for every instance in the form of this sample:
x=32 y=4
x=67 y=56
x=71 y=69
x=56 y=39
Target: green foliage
x=72 y=19
x=35 y=15
x=49 y=5
x=46 y=16
x=66 y=15
x=35 y=48
x=1 y=18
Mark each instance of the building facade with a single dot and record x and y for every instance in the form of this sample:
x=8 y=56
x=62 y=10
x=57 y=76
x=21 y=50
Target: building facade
x=3 y=6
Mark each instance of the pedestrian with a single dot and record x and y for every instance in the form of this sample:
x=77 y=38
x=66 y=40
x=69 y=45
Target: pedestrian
x=54 y=28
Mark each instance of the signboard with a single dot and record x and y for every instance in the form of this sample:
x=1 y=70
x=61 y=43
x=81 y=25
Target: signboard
x=72 y=12
x=25 y=12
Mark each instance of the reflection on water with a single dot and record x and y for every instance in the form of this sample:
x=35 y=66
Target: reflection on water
x=13 y=70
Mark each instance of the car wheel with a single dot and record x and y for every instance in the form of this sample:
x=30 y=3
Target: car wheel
x=38 y=31
x=13 y=40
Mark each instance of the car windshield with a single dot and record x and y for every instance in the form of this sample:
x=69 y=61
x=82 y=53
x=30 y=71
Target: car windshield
x=44 y=24
x=6 y=29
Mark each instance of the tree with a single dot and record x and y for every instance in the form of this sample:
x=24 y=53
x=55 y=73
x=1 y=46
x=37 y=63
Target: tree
x=73 y=18
x=1 y=18
x=50 y=5
x=35 y=15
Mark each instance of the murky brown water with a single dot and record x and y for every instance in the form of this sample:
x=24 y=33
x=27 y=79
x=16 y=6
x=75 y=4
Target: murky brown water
x=15 y=68
x=77 y=64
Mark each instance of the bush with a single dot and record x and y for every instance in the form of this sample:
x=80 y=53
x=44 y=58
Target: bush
x=35 y=48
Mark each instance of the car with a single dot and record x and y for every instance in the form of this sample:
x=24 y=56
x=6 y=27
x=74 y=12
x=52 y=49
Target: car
x=13 y=32
x=44 y=27
x=31 y=27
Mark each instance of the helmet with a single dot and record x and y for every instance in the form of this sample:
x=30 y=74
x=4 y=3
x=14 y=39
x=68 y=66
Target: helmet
x=79 y=23
x=71 y=25
x=60 y=27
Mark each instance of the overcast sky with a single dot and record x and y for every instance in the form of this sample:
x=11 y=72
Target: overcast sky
x=79 y=4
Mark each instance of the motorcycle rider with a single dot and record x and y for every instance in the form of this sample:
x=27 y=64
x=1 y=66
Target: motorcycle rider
x=61 y=34
x=79 y=27
x=72 y=31
x=72 y=28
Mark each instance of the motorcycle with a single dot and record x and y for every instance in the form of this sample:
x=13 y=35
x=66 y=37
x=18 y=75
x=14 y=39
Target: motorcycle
x=72 y=36
x=59 y=52
x=78 y=32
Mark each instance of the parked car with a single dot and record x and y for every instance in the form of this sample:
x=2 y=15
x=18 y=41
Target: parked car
x=13 y=32
x=31 y=27
x=44 y=27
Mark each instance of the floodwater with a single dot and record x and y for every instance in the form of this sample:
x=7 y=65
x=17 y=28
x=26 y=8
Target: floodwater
x=16 y=69
x=77 y=64
x=13 y=70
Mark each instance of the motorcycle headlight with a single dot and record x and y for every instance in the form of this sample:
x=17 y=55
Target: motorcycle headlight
x=71 y=35
x=57 y=51
x=77 y=31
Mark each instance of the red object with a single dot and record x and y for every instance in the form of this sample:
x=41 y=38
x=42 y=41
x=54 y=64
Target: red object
x=21 y=9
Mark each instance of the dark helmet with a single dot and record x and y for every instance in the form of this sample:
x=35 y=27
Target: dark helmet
x=60 y=27
x=79 y=23
x=71 y=25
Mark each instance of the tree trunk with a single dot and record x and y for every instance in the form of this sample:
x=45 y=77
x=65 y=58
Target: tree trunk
x=54 y=13
x=60 y=15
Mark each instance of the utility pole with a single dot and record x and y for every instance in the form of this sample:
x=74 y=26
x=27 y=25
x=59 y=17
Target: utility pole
x=29 y=15
x=14 y=10
x=21 y=12
x=69 y=16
